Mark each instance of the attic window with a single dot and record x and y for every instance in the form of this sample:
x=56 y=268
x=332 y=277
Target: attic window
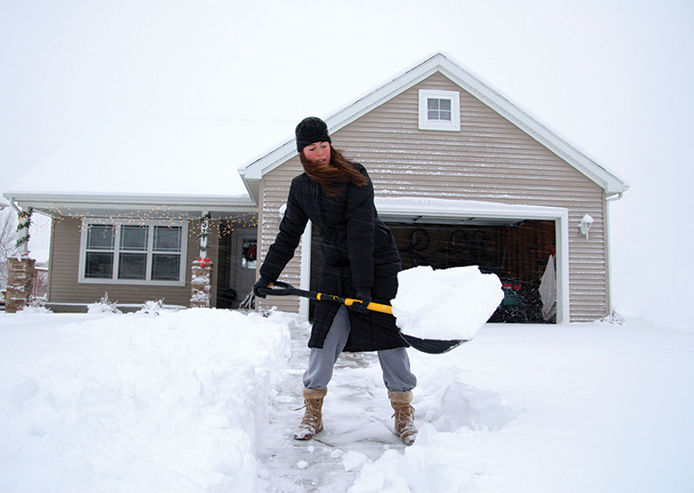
x=439 y=110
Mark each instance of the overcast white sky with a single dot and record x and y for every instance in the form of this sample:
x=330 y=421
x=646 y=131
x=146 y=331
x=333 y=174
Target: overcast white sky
x=613 y=77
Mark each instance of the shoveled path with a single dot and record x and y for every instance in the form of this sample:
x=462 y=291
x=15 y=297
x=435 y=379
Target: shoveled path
x=356 y=419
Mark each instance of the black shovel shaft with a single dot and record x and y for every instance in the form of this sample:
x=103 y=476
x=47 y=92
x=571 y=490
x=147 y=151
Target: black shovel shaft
x=431 y=346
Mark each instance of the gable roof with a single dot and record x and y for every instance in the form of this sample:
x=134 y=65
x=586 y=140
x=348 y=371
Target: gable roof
x=596 y=172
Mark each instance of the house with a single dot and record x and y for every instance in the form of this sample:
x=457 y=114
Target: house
x=462 y=176
x=139 y=245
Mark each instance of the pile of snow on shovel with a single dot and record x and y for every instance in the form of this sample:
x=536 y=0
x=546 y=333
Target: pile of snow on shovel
x=445 y=304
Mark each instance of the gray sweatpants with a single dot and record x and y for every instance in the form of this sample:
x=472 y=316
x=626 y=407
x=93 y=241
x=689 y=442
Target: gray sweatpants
x=395 y=364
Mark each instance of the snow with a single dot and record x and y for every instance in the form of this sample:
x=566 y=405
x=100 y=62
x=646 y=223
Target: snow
x=158 y=156
x=586 y=223
x=426 y=298
x=206 y=400
x=135 y=402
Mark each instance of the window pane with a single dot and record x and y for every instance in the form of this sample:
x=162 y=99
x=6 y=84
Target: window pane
x=445 y=104
x=100 y=236
x=133 y=237
x=99 y=265
x=445 y=115
x=132 y=265
x=167 y=239
x=432 y=104
x=433 y=115
x=165 y=267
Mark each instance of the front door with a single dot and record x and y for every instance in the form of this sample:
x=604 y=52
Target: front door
x=244 y=261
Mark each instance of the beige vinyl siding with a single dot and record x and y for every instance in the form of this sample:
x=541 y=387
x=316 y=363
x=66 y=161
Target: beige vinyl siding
x=64 y=271
x=274 y=190
x=489 y=159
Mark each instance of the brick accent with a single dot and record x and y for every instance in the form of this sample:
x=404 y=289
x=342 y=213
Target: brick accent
x=200 y=284
x=20 y=283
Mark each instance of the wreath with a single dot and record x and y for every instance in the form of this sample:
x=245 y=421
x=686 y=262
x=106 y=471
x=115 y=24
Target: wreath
x=250 y=252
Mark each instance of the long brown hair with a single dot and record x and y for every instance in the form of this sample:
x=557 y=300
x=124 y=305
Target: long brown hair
x=340 y=171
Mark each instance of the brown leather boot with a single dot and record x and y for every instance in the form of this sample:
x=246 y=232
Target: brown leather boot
x=404 y=416
x=312 y=421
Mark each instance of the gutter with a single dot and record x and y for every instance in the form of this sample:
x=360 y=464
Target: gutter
x=246 y=183
x=44 y=202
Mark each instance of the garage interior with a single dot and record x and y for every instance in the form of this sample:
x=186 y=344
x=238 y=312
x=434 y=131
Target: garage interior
x=515 y=250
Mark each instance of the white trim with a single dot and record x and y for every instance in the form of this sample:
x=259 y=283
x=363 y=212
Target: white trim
x=452 y=125
x=562 y=267
x=132 y=199
x=305 y=270
x=85 y=204
x=86 y=221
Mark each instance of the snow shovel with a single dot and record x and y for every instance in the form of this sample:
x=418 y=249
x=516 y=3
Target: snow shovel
x=431 y=346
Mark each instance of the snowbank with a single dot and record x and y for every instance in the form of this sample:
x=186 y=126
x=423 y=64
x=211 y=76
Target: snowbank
x=135 y=402
x=175 y=402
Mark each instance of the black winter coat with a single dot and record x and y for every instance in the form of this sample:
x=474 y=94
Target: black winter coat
x=359 y=251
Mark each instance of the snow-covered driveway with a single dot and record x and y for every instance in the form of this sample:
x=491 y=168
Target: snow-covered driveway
x=205 y=400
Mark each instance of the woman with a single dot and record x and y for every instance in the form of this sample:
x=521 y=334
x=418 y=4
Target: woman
x=361 y=261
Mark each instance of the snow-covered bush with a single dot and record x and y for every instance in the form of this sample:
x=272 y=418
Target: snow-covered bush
x=37 y=304
x=104 y=305
x=152 y=307
x=613 y=318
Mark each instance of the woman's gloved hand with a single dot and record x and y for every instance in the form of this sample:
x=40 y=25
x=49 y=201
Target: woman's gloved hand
x=364 y=294
x=261 y=287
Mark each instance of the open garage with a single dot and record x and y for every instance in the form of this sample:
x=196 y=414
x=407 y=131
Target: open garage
x=518 y=251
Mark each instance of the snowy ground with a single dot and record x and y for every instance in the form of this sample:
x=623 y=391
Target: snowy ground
x=205 y=400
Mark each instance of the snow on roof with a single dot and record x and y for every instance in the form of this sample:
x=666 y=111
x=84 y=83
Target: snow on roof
x=172 y=157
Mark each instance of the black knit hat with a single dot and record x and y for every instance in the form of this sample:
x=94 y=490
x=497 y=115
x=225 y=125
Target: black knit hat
x=309 y=130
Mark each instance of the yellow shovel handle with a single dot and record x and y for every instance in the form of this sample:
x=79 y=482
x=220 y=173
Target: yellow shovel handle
x=374 y=307
x=286 y=289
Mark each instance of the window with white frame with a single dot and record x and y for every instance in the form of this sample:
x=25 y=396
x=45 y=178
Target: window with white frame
x=118 y=252
x=439 y=110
